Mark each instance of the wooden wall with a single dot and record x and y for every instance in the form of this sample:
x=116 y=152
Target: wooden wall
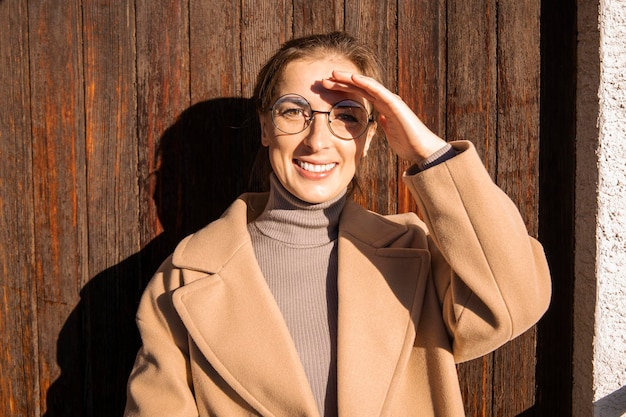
x=91 y=92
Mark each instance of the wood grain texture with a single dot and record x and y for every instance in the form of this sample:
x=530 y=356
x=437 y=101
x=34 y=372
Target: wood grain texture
x=59 y=164
x=163 y=93
x=317 y=17
x=471 y=102
x=19 y=359
x=110 y=297
x=421 y=71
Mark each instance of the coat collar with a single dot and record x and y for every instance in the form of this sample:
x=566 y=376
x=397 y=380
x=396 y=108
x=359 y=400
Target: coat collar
x=233 y=318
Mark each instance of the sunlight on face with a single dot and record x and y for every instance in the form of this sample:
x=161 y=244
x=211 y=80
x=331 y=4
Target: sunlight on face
x=314 y=165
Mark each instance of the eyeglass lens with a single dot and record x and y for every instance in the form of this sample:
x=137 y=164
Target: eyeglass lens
x=347 y=119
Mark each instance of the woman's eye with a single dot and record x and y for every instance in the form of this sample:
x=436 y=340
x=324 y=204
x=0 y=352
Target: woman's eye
x=348 y=118
x=292 y=113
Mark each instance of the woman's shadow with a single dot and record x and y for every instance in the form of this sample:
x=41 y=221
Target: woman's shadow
x=206 y=161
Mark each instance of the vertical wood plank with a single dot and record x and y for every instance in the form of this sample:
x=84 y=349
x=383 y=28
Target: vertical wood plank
x=265 y=26
x=108 y=301
x=58 y=126
x=317 y=17
x=210 y=149
x=162 y=95
x=471 y=115
x=421 y=70
x=215 y=54
x=517 y=175
x=472 y=76
x=19 y=385
x=374 y=22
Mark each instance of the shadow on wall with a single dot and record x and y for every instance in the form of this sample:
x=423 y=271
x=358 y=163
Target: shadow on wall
x=207 y=158
x=613 y=405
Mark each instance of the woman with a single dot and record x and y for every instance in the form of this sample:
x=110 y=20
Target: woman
x=298 y=302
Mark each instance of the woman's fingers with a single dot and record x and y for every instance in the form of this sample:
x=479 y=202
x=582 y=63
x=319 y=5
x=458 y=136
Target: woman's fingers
x=405 y=132
x=370 y=89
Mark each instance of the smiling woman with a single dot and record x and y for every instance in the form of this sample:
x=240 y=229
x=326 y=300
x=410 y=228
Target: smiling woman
x=299 y=302
x=314 y=164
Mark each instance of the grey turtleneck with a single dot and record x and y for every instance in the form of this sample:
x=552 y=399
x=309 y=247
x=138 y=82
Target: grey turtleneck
x=296 y=247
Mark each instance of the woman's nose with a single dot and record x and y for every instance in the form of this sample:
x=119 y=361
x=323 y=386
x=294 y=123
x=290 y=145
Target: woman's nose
x=319 y=135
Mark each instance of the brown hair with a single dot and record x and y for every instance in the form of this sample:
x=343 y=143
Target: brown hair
x=339 y=44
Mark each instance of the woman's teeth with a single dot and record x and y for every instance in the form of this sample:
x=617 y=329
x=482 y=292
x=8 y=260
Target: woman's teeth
x=315 y=167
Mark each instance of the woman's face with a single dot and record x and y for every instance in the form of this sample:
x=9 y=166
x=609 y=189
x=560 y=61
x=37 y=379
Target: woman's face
x=314 y=165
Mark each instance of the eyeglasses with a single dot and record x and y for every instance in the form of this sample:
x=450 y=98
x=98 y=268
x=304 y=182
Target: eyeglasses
x=347 y=119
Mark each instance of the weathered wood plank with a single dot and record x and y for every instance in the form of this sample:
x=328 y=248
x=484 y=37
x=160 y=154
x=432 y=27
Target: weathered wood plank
x=265 y=26
x=210 y=149
x=421 y=71
x=162 y=95
x=19 y=385
x=517 y=174
x=108 y=301
x=215 y=55
x=58 y=126
x=317 y=17
x=472 y=77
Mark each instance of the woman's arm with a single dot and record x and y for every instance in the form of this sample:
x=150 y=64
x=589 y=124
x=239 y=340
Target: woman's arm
x=492 y=279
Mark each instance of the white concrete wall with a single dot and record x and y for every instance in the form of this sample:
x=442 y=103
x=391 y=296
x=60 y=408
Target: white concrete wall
x=600 y=259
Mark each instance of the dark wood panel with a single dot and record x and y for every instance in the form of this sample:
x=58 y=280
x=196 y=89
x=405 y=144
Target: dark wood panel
x=163 y=93
x=471 y=112
x=58 y=129
x=317 y=17
x=109 y=300
x=90 y=211
x=265 y=26
x=19 y=385
x=421 y=70
x=215 y=53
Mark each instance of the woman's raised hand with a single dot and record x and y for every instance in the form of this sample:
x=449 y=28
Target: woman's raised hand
x=407 y=136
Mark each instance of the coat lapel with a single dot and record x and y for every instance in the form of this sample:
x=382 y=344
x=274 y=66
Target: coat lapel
x=235 y=322
x=380 y=293
x=233 y=319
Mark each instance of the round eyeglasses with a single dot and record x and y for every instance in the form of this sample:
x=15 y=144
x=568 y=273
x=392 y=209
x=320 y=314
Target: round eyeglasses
x=347 y=119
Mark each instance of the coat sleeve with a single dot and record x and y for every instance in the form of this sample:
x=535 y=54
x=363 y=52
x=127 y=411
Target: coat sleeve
x=491 y=278
x=160 y=383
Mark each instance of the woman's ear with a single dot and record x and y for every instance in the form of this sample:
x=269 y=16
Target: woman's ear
x=264 y=129
x=371 y=132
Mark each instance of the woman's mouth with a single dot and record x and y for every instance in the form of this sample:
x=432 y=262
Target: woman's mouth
x=317 y=168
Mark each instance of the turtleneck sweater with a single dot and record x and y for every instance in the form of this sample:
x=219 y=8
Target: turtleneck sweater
x=295 y=244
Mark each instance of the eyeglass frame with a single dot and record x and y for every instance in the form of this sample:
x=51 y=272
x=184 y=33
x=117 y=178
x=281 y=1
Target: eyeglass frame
x=309 y=120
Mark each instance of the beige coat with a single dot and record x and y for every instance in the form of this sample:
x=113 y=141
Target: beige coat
x=215 y=343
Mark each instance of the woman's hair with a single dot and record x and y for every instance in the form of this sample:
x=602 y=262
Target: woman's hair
x=333 y=44
x=338 y=44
